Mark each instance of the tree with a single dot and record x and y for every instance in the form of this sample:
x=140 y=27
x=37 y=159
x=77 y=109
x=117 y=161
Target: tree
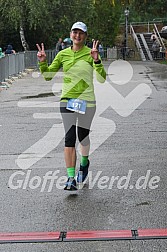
x=106 y=21
x=53 y=17
x=20 y=12
x=147 y=10
x=46 y=21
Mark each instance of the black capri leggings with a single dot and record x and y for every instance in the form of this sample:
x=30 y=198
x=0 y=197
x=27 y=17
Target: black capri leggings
x=73 y=122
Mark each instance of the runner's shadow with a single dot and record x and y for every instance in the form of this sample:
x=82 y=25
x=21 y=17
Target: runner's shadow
x=72 y=196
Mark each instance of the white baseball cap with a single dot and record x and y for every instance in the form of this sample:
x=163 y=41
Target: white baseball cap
x=79 y=25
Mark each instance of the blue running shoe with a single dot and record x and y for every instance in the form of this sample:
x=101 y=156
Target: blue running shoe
x=81 y=177
x=70 y=184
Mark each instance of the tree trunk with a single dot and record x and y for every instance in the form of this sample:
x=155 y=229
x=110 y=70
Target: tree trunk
x=23 y=40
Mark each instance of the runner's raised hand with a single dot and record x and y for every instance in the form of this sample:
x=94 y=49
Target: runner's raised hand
x=41 y=52
x=94 y=52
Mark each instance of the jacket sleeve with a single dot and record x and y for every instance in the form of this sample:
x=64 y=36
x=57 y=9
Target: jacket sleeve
x=49 y=71
x=100 y=72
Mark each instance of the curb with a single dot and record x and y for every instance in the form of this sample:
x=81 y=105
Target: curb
x=90 y=235
x=9 y=81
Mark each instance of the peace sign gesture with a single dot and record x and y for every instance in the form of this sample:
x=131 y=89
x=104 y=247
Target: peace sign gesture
x=94 y=52
x=41 y=53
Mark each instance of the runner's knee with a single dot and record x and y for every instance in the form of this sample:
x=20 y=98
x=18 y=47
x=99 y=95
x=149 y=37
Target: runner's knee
x=83 y=136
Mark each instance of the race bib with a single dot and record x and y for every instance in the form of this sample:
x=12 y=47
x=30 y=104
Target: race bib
x=76 y=105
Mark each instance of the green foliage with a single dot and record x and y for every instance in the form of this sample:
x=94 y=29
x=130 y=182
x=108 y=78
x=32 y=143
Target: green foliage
x=46 y=21
x=18 y=12
x=105 y=21
x=147 y=10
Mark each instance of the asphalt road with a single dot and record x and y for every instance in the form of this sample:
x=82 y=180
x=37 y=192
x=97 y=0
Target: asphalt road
x=127 y=180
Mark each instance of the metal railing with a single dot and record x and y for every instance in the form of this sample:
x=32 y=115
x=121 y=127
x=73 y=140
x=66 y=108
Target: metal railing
x=125 y=53
x=14 y=64
x=147 y=26
x=159 y=37
x=137 y=43
x=10 y=65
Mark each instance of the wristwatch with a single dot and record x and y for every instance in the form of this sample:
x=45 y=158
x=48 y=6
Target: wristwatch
x=97 y=62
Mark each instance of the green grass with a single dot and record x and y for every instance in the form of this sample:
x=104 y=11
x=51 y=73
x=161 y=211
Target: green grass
x=163 y=62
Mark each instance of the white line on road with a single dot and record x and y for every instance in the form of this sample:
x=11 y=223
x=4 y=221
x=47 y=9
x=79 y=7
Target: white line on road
x=37 y=104
x=47 y=116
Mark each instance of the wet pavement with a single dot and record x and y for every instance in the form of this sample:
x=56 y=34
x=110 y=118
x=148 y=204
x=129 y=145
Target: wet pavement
x=127 y=140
